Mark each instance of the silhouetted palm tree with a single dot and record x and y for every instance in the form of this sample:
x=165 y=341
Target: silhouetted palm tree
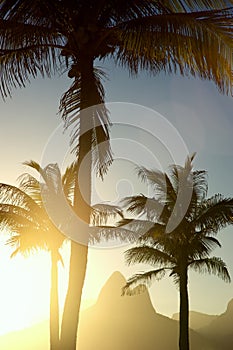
x=23 y=214
x=31 y=227
x=189 y=244
x=45 y=37
x=31 y=231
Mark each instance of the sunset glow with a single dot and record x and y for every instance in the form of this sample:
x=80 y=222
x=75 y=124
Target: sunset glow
x=116 y=196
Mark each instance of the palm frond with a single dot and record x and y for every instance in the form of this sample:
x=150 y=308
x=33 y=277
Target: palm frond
x=214 y=214
x=141 y=227
x=13 y=222
x=31 y=238
x=182 y=176
x=95 y=116
x=153 y=176
x=27 y=242
x=175 y=276
x=26 y=220
x=52 y=182
x=154 y=233
x=110 y=233
x=103 y=213
x=200 y=184
x=12 y=194
x=196 y=43
x=215 y=266
x=54 y=193
x=53 y=178
x=68 y=181
x=148 y=255
x=143 y=205
x=190 y=5
x=138 y=283
x=26 y=50
x=199 y=246
x=30 y=185
x=165 y=192
x=185 y=194
x=17 y=213
x=146 y=231
x=47 y=174
x=34 y=165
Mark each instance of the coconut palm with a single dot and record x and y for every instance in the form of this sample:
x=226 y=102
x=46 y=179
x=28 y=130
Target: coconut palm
x=31 y=230
x=46 y=37
x=190 y=242
x=23 y=215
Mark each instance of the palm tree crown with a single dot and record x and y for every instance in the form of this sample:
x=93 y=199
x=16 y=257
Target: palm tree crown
x=45 y=37
x=191 y=241
x=23 y=214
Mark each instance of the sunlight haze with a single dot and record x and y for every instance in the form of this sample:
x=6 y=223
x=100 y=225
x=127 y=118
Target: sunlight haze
x=202 y=117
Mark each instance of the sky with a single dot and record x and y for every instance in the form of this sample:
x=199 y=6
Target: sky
x=156 y=121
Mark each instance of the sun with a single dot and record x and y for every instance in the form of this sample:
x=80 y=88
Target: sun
x=24 y=292
x=25 y=288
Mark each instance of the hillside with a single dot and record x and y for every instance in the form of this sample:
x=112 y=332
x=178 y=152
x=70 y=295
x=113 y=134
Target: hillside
x=220 y=330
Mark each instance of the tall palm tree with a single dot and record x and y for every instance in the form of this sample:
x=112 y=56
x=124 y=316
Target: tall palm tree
x=45 y=37
x=191 y=241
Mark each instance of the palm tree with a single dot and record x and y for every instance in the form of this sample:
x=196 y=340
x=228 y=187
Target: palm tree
x=31 y=232
x=22 y=213
x=46 y=37
x=188 y=245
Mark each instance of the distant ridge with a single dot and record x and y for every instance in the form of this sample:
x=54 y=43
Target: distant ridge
x=197 y=320
x=220 y=330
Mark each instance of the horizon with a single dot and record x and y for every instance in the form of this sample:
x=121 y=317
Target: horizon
x=199 y=322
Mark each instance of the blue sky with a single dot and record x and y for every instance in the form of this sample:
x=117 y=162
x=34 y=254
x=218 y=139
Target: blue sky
x=193 y=108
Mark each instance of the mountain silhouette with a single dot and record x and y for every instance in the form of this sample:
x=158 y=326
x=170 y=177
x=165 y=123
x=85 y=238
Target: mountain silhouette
x=118 y=322
x=220 y=330
x=110 y=298
x=129 y=322
x=197 y=320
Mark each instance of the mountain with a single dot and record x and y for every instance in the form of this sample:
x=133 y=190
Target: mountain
x=197 y=319
x=110 y=298
x=220 y=330
x=130 y=322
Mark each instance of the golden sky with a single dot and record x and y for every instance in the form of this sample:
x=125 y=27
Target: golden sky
x=195 y=109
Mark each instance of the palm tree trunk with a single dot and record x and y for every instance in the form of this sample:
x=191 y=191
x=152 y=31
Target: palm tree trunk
x=78 y=262
x=82 y=200
x=184 y=311
x=54 y=305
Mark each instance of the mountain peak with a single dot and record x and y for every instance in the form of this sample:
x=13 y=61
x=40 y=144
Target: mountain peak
x=230 y=307
x=111 y=295
x=116 y=279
